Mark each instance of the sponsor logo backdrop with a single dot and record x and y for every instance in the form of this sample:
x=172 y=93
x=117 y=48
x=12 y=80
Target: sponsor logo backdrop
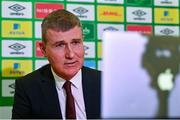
x=20 y=33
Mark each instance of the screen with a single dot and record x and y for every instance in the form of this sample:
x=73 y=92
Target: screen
x=141 y=77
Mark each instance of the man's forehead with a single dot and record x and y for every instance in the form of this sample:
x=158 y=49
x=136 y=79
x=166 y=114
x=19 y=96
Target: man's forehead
x=54 y=36
x=64 y=29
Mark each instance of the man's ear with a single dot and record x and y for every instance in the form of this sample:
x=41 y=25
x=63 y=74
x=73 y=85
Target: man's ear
x=43 y=48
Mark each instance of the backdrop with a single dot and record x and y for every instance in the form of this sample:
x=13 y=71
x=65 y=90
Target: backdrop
x=20 y=32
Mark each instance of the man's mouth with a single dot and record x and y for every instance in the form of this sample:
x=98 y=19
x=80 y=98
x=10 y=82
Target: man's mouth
x=71 y=64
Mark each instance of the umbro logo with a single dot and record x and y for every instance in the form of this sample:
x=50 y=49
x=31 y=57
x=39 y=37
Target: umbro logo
x=167 y=31
x=166 y=2
x=139 y=13
x=86 y=47
x=110 y=29
x=80 y=10
x=17 y=7
x=12 y=86
x=17 y=46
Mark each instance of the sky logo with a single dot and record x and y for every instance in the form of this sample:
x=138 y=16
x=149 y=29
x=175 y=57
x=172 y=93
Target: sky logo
x=16 y=26
x=166 y=13
x=16 y=66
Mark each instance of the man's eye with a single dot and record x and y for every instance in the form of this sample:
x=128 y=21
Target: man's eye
x=60 y=45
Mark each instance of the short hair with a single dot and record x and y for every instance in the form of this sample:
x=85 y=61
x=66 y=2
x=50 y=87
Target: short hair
x=59 y=20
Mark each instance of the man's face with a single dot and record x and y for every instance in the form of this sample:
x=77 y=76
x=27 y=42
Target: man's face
x=64 y=51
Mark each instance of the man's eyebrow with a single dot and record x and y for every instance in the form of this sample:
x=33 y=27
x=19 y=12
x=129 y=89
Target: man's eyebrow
x=58 y=42
x=77 y=39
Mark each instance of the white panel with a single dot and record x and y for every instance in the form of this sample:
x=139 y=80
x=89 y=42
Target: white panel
x=16 y=48
x=139 y=14
x=84 y=12
x=166 y=2
x=38 y=31
x=8 y=88
x=16 y=9
x=167 y=30
x=125 y=84
x=5 y=112
x=108 y=27
x=111 y=1
x=89 y=49
x=40 y=63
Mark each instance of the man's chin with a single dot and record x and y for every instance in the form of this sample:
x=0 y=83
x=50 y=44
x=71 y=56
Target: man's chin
x=72 y=67
x=72 y=70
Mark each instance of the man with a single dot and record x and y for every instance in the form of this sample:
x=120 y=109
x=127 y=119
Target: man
x=41 y=94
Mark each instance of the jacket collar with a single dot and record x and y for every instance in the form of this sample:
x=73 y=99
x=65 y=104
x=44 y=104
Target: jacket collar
x=48 y=87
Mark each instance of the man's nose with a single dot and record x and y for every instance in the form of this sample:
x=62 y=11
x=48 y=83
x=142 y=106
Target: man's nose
x=69 y=52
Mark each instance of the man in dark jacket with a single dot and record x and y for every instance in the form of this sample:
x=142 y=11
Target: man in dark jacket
x=42 y=93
